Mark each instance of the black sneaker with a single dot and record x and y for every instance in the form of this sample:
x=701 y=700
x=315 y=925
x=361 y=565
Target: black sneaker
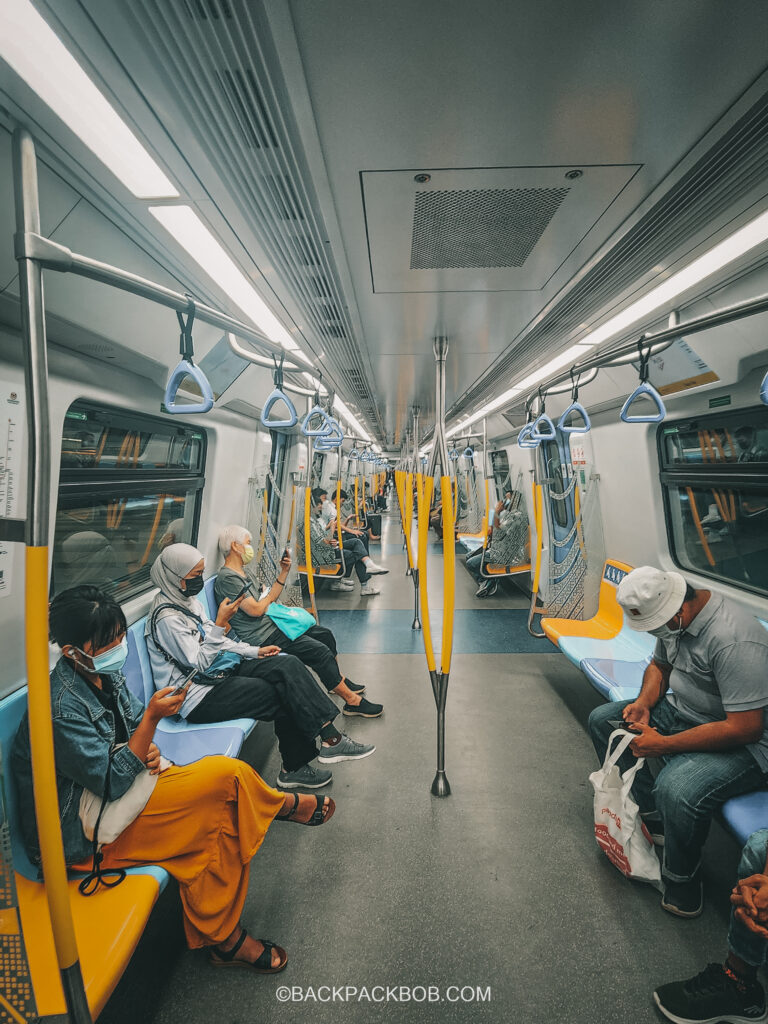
x=366 y=709
x=712 y=996
x=354 y=687
x=684 y=899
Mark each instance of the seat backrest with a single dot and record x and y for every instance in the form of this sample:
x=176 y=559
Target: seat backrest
x=609 y=610
x=207 y=598
x=12 y=710
x=138 y=671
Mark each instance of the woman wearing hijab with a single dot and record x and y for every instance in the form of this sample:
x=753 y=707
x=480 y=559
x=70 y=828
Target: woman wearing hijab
x=263 y=684
x=89 y=558
x=202 y=822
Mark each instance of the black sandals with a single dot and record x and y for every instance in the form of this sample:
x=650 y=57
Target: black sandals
x=323 y=811
x=263 y=965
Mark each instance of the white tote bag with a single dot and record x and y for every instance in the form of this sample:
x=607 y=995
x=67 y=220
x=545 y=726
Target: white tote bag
x=114 y=816
x=619 y=829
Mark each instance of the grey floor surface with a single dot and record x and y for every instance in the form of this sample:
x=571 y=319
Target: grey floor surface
x=500 y=888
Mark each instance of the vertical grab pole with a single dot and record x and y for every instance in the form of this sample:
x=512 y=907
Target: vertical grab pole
x=36 y=574
x=416 y=624
x=308 y=549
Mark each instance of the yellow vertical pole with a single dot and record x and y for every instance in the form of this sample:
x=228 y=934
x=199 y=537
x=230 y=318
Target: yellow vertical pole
x=308 y=549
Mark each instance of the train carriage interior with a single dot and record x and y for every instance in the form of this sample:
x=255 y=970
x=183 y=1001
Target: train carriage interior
x=463 y=307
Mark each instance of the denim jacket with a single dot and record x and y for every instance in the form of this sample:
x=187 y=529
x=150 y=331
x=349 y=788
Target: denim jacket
x=83 y=735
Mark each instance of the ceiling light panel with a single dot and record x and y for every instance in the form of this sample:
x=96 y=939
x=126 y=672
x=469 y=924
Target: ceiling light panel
x=33 y=50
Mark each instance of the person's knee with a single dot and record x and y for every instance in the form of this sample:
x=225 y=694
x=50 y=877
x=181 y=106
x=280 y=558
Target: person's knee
x=754 y=854
x=597 y=723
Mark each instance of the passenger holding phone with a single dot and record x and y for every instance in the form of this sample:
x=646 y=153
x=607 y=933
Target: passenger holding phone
x=315 y=648
x=180 y=637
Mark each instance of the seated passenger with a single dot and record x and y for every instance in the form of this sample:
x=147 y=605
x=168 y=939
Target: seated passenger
x=730 y=991
x=279 y=689
x=89 y=558
x=325 y=550
x=508 y=542
x=203 y=822
x=316 y=647
x=701 y=711
x=328 y=518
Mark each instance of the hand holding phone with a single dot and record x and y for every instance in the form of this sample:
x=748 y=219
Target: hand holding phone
x=620 y=723
x=184 y=686
x=248 y=585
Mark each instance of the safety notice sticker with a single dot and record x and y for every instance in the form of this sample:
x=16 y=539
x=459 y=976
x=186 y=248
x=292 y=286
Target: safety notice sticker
x=678 y=368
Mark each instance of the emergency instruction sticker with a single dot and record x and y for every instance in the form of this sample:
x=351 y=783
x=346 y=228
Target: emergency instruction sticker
x=678 y=368
x=12 y=418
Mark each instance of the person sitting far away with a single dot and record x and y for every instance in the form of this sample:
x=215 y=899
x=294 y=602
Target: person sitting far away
x=203 y=822
x=325 y=550
x=328 y=517
x=315 y=648
x=506 y=512
x=265 y=685
x=730 y=991
x=701 y=711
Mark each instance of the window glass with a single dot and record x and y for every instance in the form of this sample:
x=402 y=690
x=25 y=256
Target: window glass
x=714 y=475
x=129 y=486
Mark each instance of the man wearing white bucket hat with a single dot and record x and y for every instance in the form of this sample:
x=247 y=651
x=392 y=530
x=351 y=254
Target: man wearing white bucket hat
x=701 y=711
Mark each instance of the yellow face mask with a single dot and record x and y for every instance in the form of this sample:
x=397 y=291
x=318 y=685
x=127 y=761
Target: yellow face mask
x=247 y=554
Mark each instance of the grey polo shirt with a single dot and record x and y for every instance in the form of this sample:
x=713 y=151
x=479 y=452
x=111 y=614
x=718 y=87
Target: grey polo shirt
x=254 y=629
x=721 y=665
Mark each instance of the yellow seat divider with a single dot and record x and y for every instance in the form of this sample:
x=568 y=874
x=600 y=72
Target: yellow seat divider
x=609 y=618
x=108 y=926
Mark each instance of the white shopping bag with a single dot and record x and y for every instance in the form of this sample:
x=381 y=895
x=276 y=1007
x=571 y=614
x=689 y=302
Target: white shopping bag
x=619 y=829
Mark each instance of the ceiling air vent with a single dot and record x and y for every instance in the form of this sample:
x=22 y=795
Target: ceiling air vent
x=495 y=227
x=244 y=97
x=358 y=384
x=204 y=10
x=284 y=197
x=335 y=330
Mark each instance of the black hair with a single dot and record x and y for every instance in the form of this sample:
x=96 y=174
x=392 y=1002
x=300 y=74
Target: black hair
x=317 y=493
x=690 y=593
x=343 y=494
x=83 y=614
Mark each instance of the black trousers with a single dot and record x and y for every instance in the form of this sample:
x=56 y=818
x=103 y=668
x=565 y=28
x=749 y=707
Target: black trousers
x=354 y=553
x=316 y=648
x=278 y=690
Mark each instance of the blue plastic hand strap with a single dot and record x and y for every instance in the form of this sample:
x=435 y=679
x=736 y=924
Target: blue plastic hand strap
x=764 y=390
x=323 y=431
x=548 y=434
x=277 y=396
x=354 y=454
x=454 y=455
x=187 y=369
x=524 y=438
x=644 y=388
x=562 y=423
x=469 y=453
x=334 y=440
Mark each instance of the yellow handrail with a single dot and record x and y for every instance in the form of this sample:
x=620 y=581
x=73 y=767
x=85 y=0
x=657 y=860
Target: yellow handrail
x=449 y=574
x=424 y=499
x=538 y=503
x=338 y=516
x=308 y=548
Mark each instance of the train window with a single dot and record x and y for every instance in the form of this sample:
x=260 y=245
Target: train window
x=714 y=475
x=129 y=485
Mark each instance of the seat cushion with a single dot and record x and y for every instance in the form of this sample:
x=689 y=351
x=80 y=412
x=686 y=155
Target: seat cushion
x=746 y=814
x=616 y=680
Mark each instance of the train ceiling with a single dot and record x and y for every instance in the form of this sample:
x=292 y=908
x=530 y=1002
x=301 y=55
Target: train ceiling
x=504 y=174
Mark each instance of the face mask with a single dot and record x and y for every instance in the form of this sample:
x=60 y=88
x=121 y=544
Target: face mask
x=110 y=661
x=194 y=585
x=247 y=553
x=671 y=637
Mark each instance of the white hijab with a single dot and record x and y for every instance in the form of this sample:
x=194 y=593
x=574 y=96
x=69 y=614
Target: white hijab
x=169 y=569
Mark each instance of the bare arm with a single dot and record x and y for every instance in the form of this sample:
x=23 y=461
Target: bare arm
x=735 y=730
x=655 y=685
x=256 y=608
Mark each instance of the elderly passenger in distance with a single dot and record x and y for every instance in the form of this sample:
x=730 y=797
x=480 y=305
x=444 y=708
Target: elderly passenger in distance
x=325 y=550
x=508 y=513
x=262 y=684
x=203 y=822
x=316 y=647
x=701 y=711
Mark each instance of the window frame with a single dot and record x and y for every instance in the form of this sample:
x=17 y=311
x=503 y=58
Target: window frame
x=90 y=483
x=746 y=476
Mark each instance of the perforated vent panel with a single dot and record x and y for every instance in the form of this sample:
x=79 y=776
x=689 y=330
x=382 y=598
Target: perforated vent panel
x=495 y=227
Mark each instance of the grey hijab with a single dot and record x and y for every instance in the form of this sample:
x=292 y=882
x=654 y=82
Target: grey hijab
x=167 y=572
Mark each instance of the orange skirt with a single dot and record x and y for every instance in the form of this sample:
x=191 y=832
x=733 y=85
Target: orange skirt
x=203 y=824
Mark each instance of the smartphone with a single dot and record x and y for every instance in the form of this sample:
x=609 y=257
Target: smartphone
x=619 y=723
x=182 y=687
x=248 y=585
x=286 y=554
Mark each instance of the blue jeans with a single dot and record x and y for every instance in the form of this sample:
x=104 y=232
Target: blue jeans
x=688 y=790
x=472 y=563
x=750 y=947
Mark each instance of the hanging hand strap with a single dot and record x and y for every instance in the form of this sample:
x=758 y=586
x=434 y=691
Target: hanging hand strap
x=574 y=407
x=524 y=437
x=543 y=429
x=644 y=388
x=278 y=395
x=764 y=390
x=187 y=368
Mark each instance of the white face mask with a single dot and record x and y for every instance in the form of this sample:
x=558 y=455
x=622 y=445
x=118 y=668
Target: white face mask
x=669 y=636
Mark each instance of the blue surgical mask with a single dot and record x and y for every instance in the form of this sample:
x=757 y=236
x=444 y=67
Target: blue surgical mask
x=110 y=661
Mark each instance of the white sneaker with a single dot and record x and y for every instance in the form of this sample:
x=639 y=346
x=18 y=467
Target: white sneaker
x=369 y=589
x=375 y=570
x=345 y=585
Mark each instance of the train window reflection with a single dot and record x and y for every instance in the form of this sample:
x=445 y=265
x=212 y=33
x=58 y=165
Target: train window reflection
x=715 y=482
x=129 y=485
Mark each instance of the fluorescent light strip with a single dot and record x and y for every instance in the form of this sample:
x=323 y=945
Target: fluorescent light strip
x=356 y=425
x=30 y=46
x=189 y=231
x=738 y=244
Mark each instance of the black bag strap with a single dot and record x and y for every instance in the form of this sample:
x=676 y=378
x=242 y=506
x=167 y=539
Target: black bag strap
x=109 y=877
x=153 y=632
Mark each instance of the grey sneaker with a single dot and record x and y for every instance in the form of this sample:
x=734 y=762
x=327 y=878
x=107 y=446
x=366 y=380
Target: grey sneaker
x=306 y=777
x=345 y=750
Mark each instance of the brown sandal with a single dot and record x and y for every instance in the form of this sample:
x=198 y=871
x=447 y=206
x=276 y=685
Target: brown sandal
x=320 y=815
x=262 y=965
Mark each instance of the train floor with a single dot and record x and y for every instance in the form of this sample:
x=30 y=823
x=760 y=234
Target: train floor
x=494 y=904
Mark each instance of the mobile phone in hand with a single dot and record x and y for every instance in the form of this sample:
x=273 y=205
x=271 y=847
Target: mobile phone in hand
x=248 y=585
x=286 y=554
x=620 y=723
x=184 y=686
